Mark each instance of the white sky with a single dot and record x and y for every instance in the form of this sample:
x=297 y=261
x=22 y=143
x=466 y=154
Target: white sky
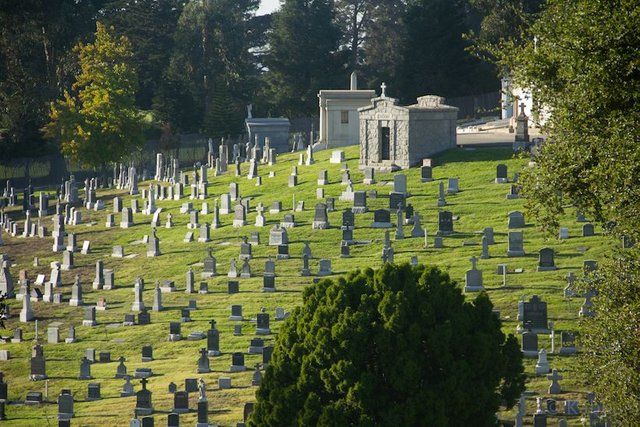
x=268 y=6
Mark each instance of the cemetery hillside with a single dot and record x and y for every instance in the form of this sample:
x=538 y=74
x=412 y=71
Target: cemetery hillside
x=149 y=294
x=349 y=212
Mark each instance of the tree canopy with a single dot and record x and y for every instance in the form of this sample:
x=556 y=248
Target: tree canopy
x=182 y=50
x=98 y=122
x=398 y=346
x=582 y=63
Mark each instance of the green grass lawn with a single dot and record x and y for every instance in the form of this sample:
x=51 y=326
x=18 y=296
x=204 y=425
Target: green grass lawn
x=480 y=203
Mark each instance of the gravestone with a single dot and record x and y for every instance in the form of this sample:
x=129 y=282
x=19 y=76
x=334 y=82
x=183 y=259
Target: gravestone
x=588 y=230
x=144 y=405
x=501 y=174
x=237 y=362
x=381 y=219
x=516 y=244
x=288 y=221
x=209 y=265
x=180 y=402
x=76 y=293
x=205 y=233
x=325 y=267
x=262 y=324
x=93 y=392
x=453 y=187
x=236 y=313
x=396 y=199
x=175 y=331
x=276 y=207
x=239 y=216
x=485 y=248
x=567 y=343
x=189 y=282
x=233 y=269
x=426 y=174
x=514 y=192
x=359 y=202
x=542 y=365
x=323 y=178
x=89 y=316
x=546 y=260
x=563 y=233
x=65 y=405
x=269 y=283
x=85 y=369
x=320 y=218
x=144 y=318
x=278 y=236
x=53 y=335
x=213 y=340
x=255 y=346
x=473 y=278
x=121 y=369
x=246 y=269
x=233 y=287
x=529 y=344
x=127 y=218
x=98 y=281
x=147 y=353
x=515 y=219
x=245 y=249
x=534 y=315
x=445 y=223
x=203 y=362
x=488 y=233
x=441 y=198
x=554 y=387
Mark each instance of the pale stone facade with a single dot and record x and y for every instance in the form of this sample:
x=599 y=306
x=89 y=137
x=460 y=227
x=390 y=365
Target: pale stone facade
x=339 y=114
x=394 y=137
x=276 y=129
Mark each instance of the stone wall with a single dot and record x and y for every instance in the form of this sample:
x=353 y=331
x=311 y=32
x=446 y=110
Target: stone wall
x=431 y=132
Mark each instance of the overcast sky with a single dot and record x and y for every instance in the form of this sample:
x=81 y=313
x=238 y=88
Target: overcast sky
x=267 y=6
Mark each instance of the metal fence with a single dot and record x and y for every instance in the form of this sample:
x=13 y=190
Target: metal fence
x=50 y=171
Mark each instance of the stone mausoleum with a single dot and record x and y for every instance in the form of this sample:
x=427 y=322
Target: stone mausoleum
x=339 y=114
x=276 y=129
x=394 y=137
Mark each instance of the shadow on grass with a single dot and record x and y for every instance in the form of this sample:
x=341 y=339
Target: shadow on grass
x=458 y=155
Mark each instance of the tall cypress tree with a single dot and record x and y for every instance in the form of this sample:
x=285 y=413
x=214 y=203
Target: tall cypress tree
x=435 y=60
x=301 y=58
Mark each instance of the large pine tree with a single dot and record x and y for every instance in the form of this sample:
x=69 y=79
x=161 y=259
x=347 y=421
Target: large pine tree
x=301 y=58
x=395 y=347
x=434 y=59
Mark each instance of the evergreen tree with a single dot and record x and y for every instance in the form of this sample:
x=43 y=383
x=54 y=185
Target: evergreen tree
x=149 y=25
x=301 y=58
x=215 y=40
x=382 y=52
x=434 y=56
x=581 y=61
x=98 y=123
x=399 y=346
x=36 y=63
x=223 y=118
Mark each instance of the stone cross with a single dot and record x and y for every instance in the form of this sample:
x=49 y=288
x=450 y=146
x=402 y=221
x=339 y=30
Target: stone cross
x=144 y=382
x=212 y=322
x=554 y=388
x=383 y=86
x=473 y=260
x=522 y=105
